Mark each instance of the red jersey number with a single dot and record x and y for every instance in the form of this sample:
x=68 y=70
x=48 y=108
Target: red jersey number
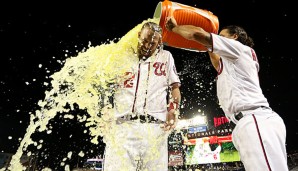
x=128 y=83
x=160 y=69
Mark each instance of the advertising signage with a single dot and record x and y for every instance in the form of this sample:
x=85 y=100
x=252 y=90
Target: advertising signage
x=210 y=149
x=175 y=158
x=215 y=132
x=197 y=129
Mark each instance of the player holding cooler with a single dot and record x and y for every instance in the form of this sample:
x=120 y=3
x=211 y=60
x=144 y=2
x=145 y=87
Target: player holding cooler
x=260 y=133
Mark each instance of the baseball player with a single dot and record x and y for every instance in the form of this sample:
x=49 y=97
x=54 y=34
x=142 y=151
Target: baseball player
x=143 y=110
x=260 y=133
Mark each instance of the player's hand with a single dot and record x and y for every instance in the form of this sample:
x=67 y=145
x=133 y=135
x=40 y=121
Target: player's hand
x=170 y=23
x=171 y=121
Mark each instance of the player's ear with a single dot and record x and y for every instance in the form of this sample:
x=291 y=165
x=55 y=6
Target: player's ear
x=235 y=36
x=160 y=46
x=160 y=42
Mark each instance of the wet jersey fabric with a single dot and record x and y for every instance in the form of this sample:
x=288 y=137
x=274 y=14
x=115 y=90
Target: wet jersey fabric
x=145 y=87
x=137 y=146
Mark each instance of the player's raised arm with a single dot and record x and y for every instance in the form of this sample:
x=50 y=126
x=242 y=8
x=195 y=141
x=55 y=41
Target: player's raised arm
x=189 y=32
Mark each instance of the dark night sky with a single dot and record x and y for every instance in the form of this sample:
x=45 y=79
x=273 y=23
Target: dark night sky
x=44 y=33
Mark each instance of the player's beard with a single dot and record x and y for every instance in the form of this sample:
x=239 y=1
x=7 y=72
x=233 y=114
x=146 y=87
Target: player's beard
x=144 y=54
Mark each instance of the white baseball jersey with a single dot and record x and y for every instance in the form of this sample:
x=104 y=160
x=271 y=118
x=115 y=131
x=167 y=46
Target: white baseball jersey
x=238 y=87
x=261 y=134
x=145 y=89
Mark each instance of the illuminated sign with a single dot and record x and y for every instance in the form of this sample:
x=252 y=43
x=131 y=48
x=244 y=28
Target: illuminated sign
x=175 y=158
x=209 y=133
x=213 y=149
x=197 y=129
x=219 y=121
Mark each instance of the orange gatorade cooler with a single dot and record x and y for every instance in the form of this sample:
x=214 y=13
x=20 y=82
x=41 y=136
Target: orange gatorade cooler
x=184 y=15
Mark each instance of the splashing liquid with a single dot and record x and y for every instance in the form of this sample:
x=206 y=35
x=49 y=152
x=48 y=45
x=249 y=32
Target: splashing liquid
x=83 y=80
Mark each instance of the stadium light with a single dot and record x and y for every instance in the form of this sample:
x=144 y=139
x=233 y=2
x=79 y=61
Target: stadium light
x=182 y=124
x=199 y=120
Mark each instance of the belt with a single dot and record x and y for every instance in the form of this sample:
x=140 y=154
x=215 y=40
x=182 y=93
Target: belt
x=237 y=117
x=240 y=115
x=142 y=118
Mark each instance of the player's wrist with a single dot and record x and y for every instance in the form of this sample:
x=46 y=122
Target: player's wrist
x=173 y=106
